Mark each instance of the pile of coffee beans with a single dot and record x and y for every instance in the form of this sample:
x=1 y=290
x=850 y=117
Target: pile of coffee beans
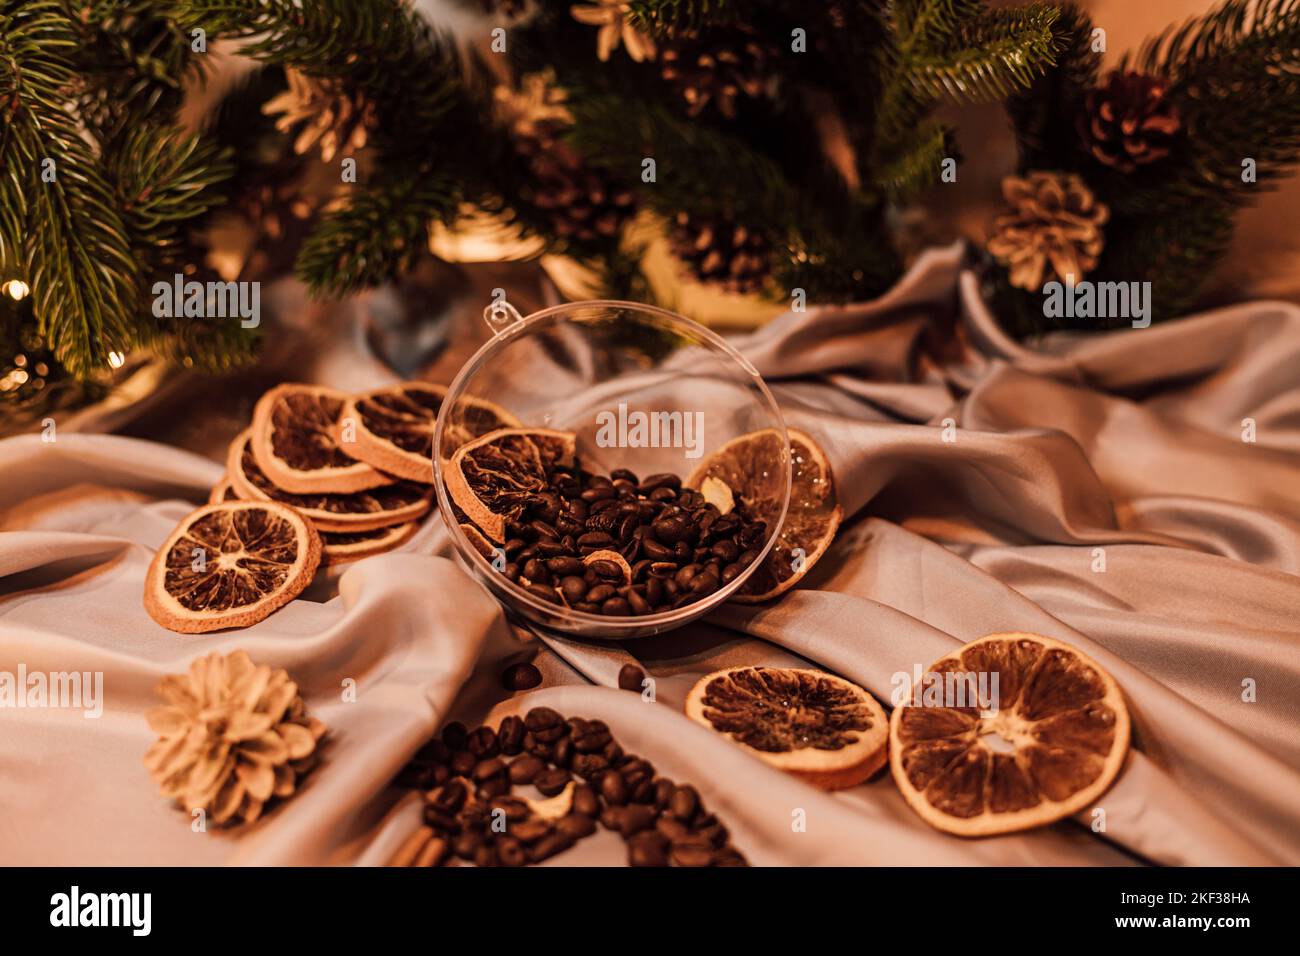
x=678 y=547
x=472 y=814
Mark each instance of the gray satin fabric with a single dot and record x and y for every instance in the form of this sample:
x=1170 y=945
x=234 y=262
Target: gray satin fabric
x=1129 y=442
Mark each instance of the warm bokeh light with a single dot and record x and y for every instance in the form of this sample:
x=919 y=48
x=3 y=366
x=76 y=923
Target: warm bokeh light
x=16 y=289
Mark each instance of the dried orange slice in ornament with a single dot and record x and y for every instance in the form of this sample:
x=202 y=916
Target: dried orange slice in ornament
x=395 y=426
x=301 y=441
x=1009 y=732
x=396 y=503
x=493 y=478
x=230 y=565
x=750 y=468
x=819 y=727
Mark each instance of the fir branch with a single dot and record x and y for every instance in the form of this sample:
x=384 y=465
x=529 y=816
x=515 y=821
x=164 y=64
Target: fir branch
x=382 y=48
x=379 y=231
x=661 y=17
x=165 y=182
x=985 y=57
x=75 y=245
x=1044 y=116
x=917 y=166
x=1202 y=45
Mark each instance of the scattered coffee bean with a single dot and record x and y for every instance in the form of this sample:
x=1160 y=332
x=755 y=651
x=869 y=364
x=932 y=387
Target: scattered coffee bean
x=630 y=677
x=661 y=822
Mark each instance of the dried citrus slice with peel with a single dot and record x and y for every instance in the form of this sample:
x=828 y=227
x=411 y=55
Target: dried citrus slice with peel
x=1009 y=732
x=230 y=565
x=223 y=490
x=397 y=503
x=493 y=478
x=395 y=426
x=819 y=727
x=751 y=467
x=300 y=442
x=340 y=547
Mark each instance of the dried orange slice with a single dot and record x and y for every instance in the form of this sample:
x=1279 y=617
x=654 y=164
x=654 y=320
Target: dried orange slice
x=819 y=727
x=230 y=565
x=751 y=466
x=395 y=426
x=398 y=503
x=223 y=490
x=301 y=443
x=340 y=547
x=1009 y=732
x=493 y=478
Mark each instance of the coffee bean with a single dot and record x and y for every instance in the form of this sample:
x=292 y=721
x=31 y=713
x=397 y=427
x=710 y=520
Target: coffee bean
x=684 y=802
x=607 y=570
x=462 y=762
x=511 y=852
x=544 y=592
x=663 y=792
x=613 y=788
x=654 y=592
x=551 y=782
x=616 y=607
x=654 y=482
x=551 y=549
x=630 y=677
x=637 y=603
x=488 y=769
x=575 y=826
x=684 y=575
x=455 y=735
x=672 y=528
x=483 y=743
x=465 y=845
x=562 y=752
x=691 y=856
x=730 y=573
x=647 y=848
x=530 y=830
x=525 y=769
x=548 y=846
x=573 y=588
x=450 y=798
x=563 y=566
x=522 y=676
x=536 y=571
x=588 y=766
x=704 y=584
x=542 y=718
x=594 y=540
x=601 y=593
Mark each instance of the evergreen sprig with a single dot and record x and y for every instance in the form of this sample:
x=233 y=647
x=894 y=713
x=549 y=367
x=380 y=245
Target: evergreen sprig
x=60 y=220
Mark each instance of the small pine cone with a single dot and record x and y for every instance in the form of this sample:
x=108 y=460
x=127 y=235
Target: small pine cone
x=333 y=118
x=1129 y=121
x=233 y=735
x=583 y=203
x=1054 y=227
x=721 y=252
x=716 y=67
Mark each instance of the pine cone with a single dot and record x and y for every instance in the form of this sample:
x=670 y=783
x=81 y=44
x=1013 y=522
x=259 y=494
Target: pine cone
x=717 y=66
x=720 y=252
x=1054 y=221
x=1129 y=121
x=336 y=119
x=583 y=202
x=232 y=735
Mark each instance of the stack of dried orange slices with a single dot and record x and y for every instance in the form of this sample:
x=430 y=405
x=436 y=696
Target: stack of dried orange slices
x=320 y=477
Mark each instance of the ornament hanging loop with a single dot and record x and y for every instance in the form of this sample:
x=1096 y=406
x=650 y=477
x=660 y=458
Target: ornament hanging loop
x=501 y=315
